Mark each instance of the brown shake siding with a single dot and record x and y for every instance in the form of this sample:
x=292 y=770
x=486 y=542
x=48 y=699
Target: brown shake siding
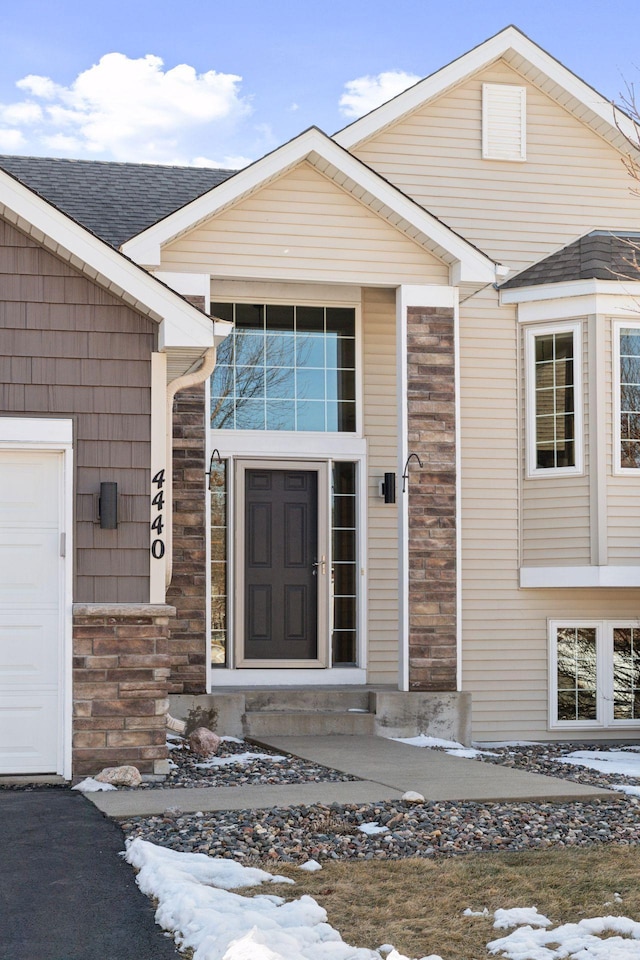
x=70 y=349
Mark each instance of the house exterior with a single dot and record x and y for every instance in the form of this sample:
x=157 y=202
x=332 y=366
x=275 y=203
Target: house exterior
x=414 y=467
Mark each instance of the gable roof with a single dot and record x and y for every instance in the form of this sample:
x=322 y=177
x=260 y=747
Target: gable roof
x=468 y=262
x=599 y=255
x=113 y=200
x=529 y=60
x=182 y=326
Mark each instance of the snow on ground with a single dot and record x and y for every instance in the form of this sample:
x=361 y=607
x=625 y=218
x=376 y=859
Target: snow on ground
x=625 y=762
x=89 y=785
x=198 y=905
x=450 y=746
x=573 y=941
x=371 y=827
x=239 y=758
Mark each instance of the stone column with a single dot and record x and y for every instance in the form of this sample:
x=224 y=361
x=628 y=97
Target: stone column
x=120 y=674
x=188 y=588
x=432 y=548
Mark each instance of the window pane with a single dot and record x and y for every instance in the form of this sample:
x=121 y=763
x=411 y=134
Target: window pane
x=218 y=488
x=223 y=311
x=344 y=563
x=629 y=398
x=555 y=413
x=577 y=671
x=626 y=673
x=279 y=353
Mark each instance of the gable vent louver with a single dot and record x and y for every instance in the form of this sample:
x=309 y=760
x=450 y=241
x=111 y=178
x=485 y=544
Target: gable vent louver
x=504 y=122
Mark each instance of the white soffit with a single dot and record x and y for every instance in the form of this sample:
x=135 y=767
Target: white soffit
x=180 y=323
x=531 y=62
x=355 y=177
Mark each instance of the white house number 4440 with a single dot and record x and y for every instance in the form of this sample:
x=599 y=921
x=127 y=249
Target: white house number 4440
x=157 y=524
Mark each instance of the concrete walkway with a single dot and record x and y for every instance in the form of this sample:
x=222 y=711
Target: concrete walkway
x=386 y=769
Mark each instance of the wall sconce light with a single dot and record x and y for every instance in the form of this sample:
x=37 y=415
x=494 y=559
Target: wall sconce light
x=388 y=488
x=215 y=455
x=108 y=506
x=405 y=475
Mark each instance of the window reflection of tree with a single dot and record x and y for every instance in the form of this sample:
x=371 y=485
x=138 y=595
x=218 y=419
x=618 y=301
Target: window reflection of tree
x=577 y=673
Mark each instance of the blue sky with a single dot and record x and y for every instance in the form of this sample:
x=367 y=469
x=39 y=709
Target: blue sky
x=209 y=82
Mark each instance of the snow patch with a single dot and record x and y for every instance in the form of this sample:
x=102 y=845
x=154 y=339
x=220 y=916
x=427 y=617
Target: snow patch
x=624 y=762
x=371 y=828
x=238 y=758
x=89 y=785
x=517 y=916
x=573 y=941
x=310 y=866
x=422 y=740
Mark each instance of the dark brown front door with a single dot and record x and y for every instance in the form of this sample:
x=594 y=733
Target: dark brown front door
x=281 y=580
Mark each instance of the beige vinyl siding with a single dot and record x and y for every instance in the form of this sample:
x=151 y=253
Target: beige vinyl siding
x=571 y=182
x=380 y=425
x=303 y=227
x=556 y=515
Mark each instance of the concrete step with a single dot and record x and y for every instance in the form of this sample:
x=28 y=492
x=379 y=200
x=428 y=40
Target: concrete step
x=285 y=723
x=309 y=700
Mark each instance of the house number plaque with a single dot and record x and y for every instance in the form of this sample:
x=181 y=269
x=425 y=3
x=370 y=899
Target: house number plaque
x=157 y=523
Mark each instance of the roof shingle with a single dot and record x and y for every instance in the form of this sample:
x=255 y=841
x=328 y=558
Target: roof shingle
x=599 y=255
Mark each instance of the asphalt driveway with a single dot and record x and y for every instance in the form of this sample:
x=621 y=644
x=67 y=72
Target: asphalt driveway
x=65 y=894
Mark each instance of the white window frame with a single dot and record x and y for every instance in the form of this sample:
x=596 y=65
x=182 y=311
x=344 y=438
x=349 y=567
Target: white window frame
x=489 y=115
x=540 y=330
x=617 y=327
x=604 y=675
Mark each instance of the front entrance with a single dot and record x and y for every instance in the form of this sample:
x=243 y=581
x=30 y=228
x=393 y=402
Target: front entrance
x=31 y=581
x=282 y=565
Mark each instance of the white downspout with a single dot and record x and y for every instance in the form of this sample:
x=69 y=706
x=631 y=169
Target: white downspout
x=203 y=372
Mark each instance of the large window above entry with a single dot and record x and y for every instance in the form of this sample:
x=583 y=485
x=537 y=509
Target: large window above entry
x=553 y=400
x=285 y=368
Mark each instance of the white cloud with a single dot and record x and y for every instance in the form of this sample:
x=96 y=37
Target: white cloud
x=11 y=140
x=365 y=93
x=129 y=109
x=227 y=163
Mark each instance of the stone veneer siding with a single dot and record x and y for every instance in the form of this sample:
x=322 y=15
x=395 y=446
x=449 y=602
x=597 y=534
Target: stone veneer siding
x=188 y=588
x=432 y=499
x=120 y=674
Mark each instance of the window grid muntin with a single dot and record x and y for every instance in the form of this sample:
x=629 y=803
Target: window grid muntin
x=321 y=369
x=344 y=562
x=561 y=369
x=628 y=341
x=219 y=514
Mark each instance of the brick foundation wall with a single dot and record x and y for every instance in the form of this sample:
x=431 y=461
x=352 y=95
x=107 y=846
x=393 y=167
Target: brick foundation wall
x=432 y=499
x=120 y=674
x=187 y=592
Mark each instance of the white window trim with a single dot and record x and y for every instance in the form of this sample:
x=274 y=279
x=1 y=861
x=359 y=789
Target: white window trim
x=487 y=106
x=531 y=332
x=617 y=327
x=604 y=676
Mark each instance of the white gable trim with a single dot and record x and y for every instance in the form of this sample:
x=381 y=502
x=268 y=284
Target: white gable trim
x=180 y=323
x=516 y=48
x=350 y=174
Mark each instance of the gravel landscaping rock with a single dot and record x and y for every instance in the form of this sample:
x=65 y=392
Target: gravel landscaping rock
x=431 y=830
x=190 y=770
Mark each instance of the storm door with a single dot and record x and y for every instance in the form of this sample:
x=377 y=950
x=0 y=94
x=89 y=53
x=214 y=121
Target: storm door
x=283 y=565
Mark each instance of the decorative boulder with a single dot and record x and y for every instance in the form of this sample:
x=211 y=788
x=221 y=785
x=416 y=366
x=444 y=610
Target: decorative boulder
x=204 y=742
x=412 y=797
x=125 y=776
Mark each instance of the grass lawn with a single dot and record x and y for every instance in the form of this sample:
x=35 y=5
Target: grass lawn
x=417 y=905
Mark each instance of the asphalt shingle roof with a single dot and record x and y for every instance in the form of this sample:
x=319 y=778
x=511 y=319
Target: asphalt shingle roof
x=113 y=200
x=600 y=255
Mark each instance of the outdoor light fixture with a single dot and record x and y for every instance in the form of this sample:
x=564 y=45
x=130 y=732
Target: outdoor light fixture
x=405 y=475
x=388 y=488
x=108 y=506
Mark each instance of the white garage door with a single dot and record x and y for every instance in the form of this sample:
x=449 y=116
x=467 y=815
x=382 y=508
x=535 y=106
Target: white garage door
x=30 y=603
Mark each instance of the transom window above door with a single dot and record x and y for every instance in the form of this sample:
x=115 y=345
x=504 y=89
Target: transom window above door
x=285 y=368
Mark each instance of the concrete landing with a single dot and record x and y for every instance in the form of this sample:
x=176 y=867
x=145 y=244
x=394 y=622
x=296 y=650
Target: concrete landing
x=387 y=769
x=434 y=774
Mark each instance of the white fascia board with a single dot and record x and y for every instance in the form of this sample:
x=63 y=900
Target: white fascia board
x=575 y=298
x=40 y=430
x=563 y=577
x=481 y=56
x=471 y=264
x=125 y=279
x=570 y=288
x=187 y=284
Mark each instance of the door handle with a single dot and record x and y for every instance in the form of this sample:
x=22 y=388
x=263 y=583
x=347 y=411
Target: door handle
x=319 y=563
